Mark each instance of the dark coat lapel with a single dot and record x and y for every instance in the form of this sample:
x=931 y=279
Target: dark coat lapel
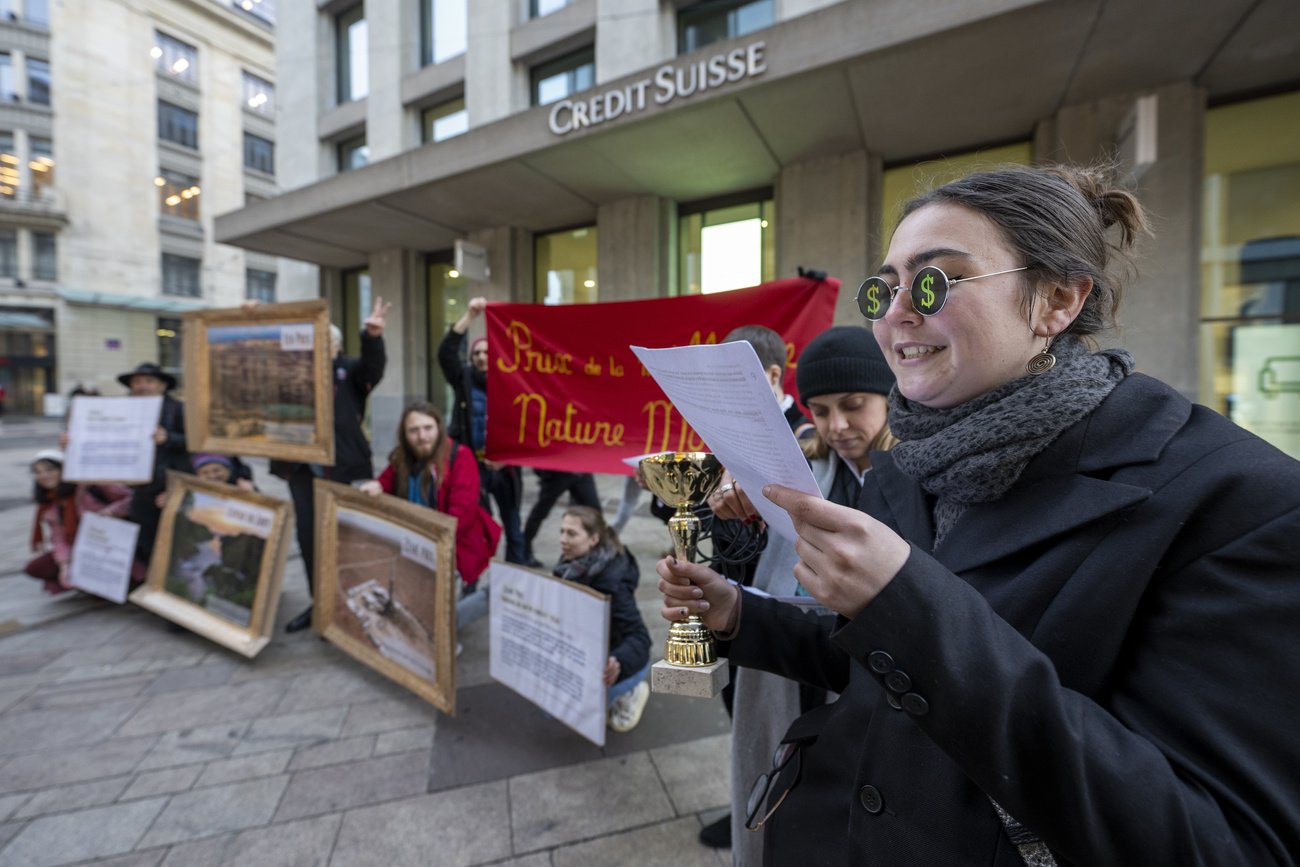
x=898 y=501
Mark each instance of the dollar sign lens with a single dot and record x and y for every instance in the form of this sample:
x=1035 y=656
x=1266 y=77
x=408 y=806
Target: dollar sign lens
x=927 y=299
x=873 y=296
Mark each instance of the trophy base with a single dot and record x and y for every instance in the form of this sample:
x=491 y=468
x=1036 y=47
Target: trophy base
x=700 y=681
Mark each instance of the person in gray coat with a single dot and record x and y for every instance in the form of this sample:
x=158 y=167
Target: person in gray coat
x=1064 y=611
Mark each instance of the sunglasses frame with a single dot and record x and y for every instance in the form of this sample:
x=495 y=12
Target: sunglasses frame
x=894 y=290
x=765 y=780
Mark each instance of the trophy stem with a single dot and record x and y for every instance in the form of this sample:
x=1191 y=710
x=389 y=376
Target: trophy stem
x=690 y=643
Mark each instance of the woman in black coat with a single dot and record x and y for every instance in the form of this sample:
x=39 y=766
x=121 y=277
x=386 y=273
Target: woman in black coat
x=1067 y=609
x=591 y=555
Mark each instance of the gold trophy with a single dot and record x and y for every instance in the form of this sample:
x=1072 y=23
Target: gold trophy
x=684 y=480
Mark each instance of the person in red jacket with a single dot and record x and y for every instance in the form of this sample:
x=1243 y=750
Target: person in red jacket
x=59 y=507
x=429 y=469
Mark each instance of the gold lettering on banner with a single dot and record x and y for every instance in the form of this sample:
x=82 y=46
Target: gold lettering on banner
x=566 y=430
x=709 y=341
x=592 y=368
x=615 y=369
x=789 y=356
x=524 y=357
x=687 y=439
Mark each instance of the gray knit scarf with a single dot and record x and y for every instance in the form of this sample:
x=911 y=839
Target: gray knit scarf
x=975 y=452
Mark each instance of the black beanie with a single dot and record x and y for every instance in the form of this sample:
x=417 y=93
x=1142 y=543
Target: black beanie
x=843 y=359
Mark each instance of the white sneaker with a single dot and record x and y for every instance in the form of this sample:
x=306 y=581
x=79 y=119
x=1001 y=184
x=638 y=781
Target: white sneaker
x=625 y=712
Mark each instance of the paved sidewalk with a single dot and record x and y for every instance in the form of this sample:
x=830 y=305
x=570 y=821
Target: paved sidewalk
x=122 y=743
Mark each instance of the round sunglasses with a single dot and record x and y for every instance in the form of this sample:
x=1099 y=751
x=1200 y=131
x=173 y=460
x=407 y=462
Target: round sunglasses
x=929 y=291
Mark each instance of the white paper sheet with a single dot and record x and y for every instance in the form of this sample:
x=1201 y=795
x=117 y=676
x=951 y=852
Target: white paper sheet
x=722 y=392
x=549 y=642
x=102 y=555
x=110 y=439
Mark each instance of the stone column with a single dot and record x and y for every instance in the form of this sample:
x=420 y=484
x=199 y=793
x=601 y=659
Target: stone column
x=635 y=249
x=396 y=276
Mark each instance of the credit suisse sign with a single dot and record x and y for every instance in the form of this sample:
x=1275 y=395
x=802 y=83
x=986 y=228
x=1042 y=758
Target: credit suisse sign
x=669 y=82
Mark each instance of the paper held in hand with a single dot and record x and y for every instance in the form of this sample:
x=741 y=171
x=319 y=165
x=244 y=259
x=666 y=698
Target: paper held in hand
x=722 y=392
x=110 y=439
x=102 y=555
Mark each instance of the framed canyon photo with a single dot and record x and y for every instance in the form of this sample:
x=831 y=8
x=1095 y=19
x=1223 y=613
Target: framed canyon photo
x=218 y=562
x=385 y=588
x=257 y=382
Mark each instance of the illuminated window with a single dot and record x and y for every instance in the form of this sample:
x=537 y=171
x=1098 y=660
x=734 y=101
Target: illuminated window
x=8 y=253
x=726 y=245
x=180 y=276
x=446 y=31
x=175 y=58
x=38 y=81
x=10 y=179
x=560 y=78
x=45 y=263
x=1250 y=267
x=445 y=121
x=260 y=285
x=448 y=297
x=264 y=9
x=41 y=163
x=259 y=95
x=353 y=54
x=566 y=267
x=179 y=125
x=715 y=20
x=170 y=358
x=353 y=153
x=259 y=154
x=178 y=194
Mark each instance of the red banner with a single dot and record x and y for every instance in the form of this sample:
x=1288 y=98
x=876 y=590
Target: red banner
x=566 y=393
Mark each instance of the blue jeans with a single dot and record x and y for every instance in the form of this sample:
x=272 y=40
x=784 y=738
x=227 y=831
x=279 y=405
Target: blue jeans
x=628 y=684
x=472 y=605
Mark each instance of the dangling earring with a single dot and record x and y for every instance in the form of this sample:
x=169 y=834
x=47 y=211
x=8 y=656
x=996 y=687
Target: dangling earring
x=1043 y=361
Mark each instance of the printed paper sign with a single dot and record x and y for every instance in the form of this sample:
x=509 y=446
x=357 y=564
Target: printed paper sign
x=102 y=556
x=549 y=643
x=296 y=338
x=249 y=518
x=110 y=439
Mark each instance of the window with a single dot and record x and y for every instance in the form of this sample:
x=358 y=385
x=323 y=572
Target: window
x=264 y=9
x=261 y=285
x=566 y=267
x=170 y=359
x=539 y=8
x=715 y=20
x=445 y=30
x=178 y=195
x=41 y=163
x=259 y=154
x=353 y=153
x=174 y=58
x=8 y=253
x=448 y=300
x=36 y=13
x=726 y=246
x=7 y=82
x=179 y=125
x=38 y=81
x=560 y=78
x=44 y=257
x=1250 y=267
x=259 y=95
x=353 y=54
x=9 y=179
x=180 y=276
x=356 y=307
x=444 y=121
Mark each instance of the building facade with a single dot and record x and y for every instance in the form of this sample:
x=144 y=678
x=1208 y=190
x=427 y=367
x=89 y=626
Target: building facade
x=601 y=150
x=124 y=129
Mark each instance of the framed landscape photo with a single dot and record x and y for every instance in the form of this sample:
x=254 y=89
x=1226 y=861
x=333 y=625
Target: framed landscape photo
x=385 y=588
x=257 y=382
x=218 y=562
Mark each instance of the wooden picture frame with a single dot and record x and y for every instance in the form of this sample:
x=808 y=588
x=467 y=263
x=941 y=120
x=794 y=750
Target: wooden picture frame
x=204 y=588
x=405 y=630
x=255 y=384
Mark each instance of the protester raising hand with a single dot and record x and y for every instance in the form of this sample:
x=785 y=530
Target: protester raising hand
x=374 y=325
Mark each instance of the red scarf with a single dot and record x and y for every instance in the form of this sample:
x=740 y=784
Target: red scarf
x=67 y=509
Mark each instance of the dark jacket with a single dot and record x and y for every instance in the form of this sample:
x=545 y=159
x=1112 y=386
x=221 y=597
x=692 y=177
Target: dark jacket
x=460 y=377
x=629 y=641
x=354 y=379
x=1109 y=652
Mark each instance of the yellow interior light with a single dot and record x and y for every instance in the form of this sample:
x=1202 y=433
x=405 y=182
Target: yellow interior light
x=453 y=274
x=186 y=194
x=160 y=182
x=763 y=224
x=9 y=158
x=194 y=190
x=38 y=167
x=155 y=52
x=590 y=284
x=180 y=65
x=173 y=200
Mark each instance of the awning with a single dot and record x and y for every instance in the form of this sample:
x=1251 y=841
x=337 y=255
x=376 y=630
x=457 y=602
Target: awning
x=131 y=302
x=24 y=322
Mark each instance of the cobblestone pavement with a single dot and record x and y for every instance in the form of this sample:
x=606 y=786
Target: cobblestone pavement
x=123 y=743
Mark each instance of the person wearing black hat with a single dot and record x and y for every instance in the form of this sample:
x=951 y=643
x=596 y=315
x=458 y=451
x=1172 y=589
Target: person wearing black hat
x=150 y=380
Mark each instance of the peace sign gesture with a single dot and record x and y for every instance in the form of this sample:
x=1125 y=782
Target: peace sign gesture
x=375 y=324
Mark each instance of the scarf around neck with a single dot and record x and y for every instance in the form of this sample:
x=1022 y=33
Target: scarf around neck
x=974 y=452
x=583 y=569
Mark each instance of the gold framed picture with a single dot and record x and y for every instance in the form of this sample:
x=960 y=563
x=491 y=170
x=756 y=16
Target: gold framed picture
x=386 y=588
x=218 y=562
x=258 y=382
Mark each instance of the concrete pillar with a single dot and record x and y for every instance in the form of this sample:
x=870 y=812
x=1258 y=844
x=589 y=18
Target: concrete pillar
x=492 y=83
x=298 y=98
x=827 y=211
x=632 y=35
x=394 y=32
x=396 y=276
x=635 y=256
x=1161 y=306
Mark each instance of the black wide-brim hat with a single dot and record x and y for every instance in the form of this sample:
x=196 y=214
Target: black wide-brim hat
x=148 y=368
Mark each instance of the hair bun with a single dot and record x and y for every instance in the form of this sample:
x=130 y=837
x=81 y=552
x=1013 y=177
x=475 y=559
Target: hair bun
x=1114 y=206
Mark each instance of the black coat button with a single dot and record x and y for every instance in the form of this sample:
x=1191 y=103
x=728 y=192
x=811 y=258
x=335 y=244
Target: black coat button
x=881 y=662
x=915 y=705
x=871 y=800
x=898 y=681
x=893 y=701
